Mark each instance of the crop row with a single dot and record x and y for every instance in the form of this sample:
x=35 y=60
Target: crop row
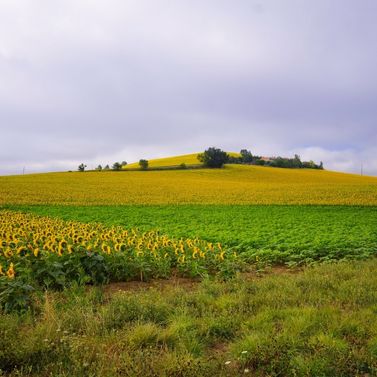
x=53 y=253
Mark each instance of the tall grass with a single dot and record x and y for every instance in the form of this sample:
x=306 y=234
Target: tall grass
x=318 y=322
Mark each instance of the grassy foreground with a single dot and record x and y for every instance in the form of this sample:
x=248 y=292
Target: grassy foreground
x=318 y=322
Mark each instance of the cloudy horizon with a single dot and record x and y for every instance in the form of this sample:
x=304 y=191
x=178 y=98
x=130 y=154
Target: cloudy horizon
x=99 y=82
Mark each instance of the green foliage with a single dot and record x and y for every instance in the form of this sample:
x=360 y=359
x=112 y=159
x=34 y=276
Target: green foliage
x=143 y=164
x=259 y=162
x=293 y=163
x=246 y=156
x=15 y=295
x=117 y=166
x=81 y=167
x=213 y=158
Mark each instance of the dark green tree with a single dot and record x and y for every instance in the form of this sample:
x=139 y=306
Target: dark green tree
x=213 y=158
x=246 y=156
x=296 y=162
x=81 y=167
x=143 y=164
x=117 y=166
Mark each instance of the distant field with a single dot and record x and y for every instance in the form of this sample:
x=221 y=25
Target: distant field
x=234 y=184
x=188 y=159
x=277 y=234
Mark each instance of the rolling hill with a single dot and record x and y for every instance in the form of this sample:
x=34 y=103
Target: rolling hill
x=234 y=184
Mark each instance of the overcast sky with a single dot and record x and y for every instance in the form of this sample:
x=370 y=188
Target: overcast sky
x=99 y=81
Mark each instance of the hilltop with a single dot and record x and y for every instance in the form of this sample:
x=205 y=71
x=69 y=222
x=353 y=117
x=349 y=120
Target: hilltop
x=187 y=159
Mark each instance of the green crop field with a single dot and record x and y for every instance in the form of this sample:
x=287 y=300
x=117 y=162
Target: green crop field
x=275 y=234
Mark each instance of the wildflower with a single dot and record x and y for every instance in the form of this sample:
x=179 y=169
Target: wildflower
x=63 y=243
x=60 y=251
x=21 y=250
x=106 y=249
x=227 y=362
x=10 y=272
x=8 y=252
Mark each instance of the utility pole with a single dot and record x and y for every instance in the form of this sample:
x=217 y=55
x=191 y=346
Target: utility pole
x=23 y=170
x=361 y=169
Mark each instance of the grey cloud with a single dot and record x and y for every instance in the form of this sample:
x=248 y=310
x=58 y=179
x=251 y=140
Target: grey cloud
x=100 y=81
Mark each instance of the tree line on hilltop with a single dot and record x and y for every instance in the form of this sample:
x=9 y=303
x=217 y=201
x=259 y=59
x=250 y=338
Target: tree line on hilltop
x=216 y=158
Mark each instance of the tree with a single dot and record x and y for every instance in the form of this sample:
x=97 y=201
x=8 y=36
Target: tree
x=99 y=168
x=124 y=163
x=116 y=166
x=81 y=167
x=107 y=167
x=296 y=162
x=143 y=164
x=213 y=157
x=246 y=156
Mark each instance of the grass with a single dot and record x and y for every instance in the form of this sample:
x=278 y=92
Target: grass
x=235 y=184
x=318 y=322
x=276 y=234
